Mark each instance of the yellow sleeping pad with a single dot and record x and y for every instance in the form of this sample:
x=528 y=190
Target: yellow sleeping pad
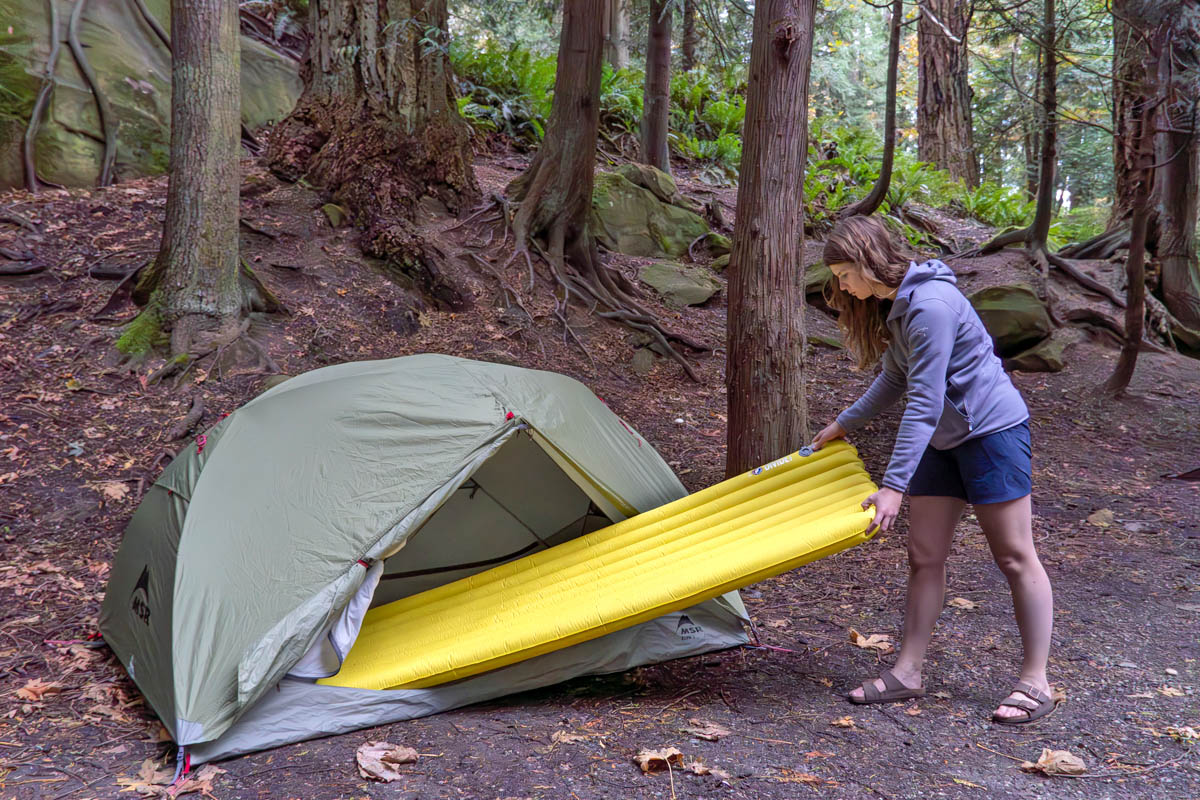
x=756 y=525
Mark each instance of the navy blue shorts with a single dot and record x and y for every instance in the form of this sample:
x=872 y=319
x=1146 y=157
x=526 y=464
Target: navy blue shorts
x=990 y=469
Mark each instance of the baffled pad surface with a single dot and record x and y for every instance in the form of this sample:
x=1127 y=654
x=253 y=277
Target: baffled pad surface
x=742 y=530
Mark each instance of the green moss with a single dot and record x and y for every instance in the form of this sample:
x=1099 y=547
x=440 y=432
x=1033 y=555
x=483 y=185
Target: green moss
x=18 y=89
x=140 y=335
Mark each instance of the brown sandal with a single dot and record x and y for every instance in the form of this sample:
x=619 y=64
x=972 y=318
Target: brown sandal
x=894 y=691
x=1038 y=705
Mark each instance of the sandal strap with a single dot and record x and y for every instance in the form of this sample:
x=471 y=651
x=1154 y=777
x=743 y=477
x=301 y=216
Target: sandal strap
x=870 y=693
x=891 y=682
x=1031 y=690
x=1021 y=703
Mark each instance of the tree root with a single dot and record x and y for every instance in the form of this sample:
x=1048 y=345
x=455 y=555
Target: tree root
x=189 y=421
x=13 y=218
x=122 y=294
x=1085 y=280
x=153 y=23
x=39 y=105
x=108 y=123
x=1105 y=245
x=1019 y=236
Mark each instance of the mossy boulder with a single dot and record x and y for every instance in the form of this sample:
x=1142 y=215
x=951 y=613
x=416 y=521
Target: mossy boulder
x=719 y=244
x=133 y=69
x=651 y=178
x=720 y=263
x=1045 y=356
x=631 y=219
x=679 y=284
x=1014 y=316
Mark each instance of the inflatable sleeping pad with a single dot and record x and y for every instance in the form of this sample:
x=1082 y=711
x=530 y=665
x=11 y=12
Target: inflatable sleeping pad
x=750 y=527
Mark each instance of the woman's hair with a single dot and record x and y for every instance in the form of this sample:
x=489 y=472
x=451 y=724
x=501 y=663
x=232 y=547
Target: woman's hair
x=865 y=243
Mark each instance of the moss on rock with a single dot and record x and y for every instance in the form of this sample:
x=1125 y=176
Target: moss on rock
x=630 y=219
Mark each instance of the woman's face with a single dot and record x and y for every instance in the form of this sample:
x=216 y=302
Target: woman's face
x=855 y=281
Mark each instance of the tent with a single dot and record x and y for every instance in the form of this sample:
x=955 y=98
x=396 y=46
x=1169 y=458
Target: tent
x=245 y=572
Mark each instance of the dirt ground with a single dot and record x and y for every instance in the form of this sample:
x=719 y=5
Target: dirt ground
x=81 y=437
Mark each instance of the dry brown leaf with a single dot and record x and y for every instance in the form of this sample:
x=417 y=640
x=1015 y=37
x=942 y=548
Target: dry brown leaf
x=658 y=760
x=876 y=641
x=113 y=490
x=778 y=623
x=36 y=689
x=563 y=737
x=1185 y=733
x=199 y=781
x=963 y=603
x=913 y=711
x=8 y=477
x=703 y=729
x=152 y=779
x=807 y=778
x=1170 y=691
x=843 y=722
x=696 y=768
x=965 y=782
x=819 y=754
x=379 y=760
x=1102 y=518
x=1056 y=762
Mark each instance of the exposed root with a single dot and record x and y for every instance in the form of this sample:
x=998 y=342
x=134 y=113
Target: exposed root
x=195 y=413
x=108 y=123
x=39 y=105
x=1085 y=280
x=153 y=23
x=1019 y=236
x=193 y=338
x=121 y=295
x=1105 y=245
x=13 y=218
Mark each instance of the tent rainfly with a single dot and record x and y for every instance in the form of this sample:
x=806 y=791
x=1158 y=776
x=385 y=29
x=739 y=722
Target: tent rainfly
x=245 y=572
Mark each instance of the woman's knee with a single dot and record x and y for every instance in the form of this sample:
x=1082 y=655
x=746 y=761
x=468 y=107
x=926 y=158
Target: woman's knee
x=921 y=558
x=1018 y=564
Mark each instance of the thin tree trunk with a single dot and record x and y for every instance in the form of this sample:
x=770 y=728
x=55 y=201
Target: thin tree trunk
x=1049 y=146
x=691 y=35
x=944 y=135
x=879 y=191
x=765 y=367
x=193 y=285
x=1130 y=51
x=616 y=33
x=377 y=129
x=656 y=97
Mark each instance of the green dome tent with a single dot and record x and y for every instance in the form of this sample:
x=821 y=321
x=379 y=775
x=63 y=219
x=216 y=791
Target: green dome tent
x=255 y=545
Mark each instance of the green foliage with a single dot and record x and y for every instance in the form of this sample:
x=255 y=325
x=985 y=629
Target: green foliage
x=998 y=205
x=1079 y=224
x=621 y=99
x=505 y=90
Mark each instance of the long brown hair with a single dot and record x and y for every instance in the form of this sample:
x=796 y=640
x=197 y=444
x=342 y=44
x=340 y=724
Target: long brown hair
x=866 y=243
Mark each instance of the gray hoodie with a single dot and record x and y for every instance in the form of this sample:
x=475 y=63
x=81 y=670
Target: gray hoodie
x=942 y=355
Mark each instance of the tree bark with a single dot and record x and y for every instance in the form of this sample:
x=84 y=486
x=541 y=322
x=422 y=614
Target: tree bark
x=192 y=288
x=656 y=98
x=1040 y=229
x=616 y=33
x=765 y=368
x=1177 y=151
x=1130 y=51
x=878 y=192
x=377 y=129
x=691 y=35
x=944 y=135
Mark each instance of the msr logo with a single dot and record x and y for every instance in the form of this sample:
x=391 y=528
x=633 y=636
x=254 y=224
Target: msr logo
x=139 y=601
x=687 y=629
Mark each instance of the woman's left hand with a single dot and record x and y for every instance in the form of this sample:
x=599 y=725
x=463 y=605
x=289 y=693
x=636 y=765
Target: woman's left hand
x=887 y=508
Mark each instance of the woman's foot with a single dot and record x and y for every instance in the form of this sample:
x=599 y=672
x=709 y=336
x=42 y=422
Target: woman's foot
x=1023 y=699
x=902 y=679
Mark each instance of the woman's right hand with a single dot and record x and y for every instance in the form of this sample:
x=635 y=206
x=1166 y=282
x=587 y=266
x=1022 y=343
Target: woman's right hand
x=827 y=434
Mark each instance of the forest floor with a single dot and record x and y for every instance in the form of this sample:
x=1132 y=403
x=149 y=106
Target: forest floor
x=81 y=437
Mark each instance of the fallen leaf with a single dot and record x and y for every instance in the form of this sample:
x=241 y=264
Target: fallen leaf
x=1056 y=762
x=1170 y=691
x=1141 y=696
x=36 y=689
x=807 y=778
x=703 y=729
x=113 y=490
x=696 y=768
x=942 y=695
x=819 y=754
x=563 y=737
x=963 y=603
x=843 y=722
x=913 y=711
x=658 y=760
x=1102 y=518
x=199 y=781
x=964 y=782
x=152 y=779
x=876 y=641
x=1184 y=734
x=778 y=623
x=8 y=476
x=379 y=760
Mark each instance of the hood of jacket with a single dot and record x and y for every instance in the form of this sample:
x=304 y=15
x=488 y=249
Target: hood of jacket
x=932 y=270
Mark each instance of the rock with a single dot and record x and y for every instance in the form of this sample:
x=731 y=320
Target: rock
x=825 y=341
x=1014 y=316
x=644 y=361
x=718 y=244
x=658 y=182
x=720 y=263
x=1045 y=356
x=335 y=214
x=816 y=278
x=680 y=285
x=271 y=381
x=133 y=69
x=631 y=219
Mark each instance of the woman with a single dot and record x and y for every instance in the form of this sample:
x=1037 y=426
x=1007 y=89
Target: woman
x=963 y=438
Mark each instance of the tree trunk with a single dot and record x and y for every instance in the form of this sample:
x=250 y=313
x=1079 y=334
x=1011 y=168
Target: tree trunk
x=879 y=191
x=1177 y=151
x=656 y=98
x=944 y=134
x=691 y=35
x=765 y=368
x=377 y=129
x=1049 y=146
x=192 y=288
x=616 y=33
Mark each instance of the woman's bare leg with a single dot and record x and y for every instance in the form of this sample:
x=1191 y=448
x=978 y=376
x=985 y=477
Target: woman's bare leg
x=1008 y=527
x=930 y=531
